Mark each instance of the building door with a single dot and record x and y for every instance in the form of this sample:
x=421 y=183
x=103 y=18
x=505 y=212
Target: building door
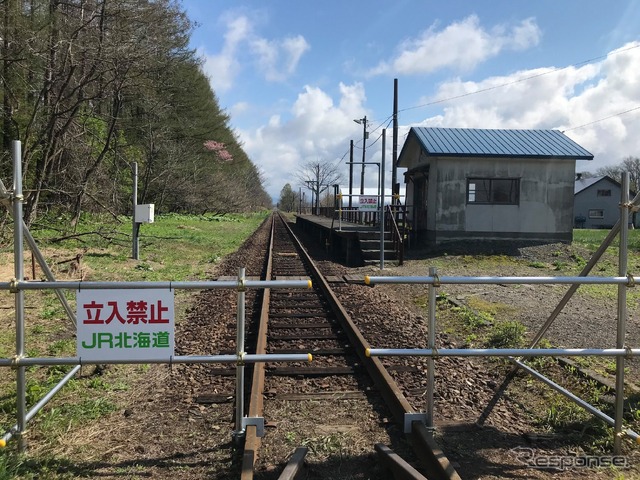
x=420 y=203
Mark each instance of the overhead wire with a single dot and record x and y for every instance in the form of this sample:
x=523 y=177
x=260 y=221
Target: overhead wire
x=519 y=80
x=602 y=119
x=506 y=84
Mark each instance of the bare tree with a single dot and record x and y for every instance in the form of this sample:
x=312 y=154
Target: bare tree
x=629 y=164
x=318 y=175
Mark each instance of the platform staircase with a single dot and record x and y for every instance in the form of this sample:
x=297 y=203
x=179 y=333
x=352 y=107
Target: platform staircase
x=370 y=247
x=395 y=237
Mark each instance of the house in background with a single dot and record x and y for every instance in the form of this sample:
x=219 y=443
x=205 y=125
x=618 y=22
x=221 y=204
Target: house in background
x=596 y=202
x=480 y=184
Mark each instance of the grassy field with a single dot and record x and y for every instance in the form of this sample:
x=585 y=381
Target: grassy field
x=593 y=239
x=175 y=247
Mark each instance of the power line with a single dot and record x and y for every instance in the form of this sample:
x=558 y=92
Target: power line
x=506 y=84
x=602 y=119
x=523 y=79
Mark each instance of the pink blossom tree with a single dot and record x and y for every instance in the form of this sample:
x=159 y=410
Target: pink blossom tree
x=219 y=149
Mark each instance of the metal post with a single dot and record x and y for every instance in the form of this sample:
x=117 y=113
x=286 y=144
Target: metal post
x=18 y=252
x=339 y=210
x=433 y=272
x=42 y=403
x=239 y=432
x=381 y=192
x=42 y=262
x=135 y=248
x=563 y=302
x=364 y=147
x=350 y=174
x=394 y=155
x=622 y=313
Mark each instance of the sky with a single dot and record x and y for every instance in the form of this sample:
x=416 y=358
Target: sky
x=294 y=75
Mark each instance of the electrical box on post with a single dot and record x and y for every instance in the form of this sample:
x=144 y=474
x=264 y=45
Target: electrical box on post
x=144 y=213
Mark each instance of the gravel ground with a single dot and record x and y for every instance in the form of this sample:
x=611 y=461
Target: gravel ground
x=464 y=387
x=162 y=432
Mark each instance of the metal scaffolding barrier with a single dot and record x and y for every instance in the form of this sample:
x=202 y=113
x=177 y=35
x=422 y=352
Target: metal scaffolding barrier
x=18 y=285
x=621 y=352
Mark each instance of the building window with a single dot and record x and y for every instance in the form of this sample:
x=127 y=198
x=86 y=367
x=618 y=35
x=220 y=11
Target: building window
x=604 y=193
x=596 y=213
x=500 y=191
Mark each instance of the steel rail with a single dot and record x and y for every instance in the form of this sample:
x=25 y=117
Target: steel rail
x=435 y=462
x=252 y=441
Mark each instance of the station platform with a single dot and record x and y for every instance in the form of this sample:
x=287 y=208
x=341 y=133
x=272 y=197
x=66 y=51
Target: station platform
x=349 y=243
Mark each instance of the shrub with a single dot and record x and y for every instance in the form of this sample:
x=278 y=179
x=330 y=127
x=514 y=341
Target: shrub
x=508 y=334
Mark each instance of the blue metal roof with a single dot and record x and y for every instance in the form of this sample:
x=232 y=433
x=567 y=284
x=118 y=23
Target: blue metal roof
x=584 y=183
x=463 y=142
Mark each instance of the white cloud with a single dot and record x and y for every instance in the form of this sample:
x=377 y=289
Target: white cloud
x=319 y=128
x=239 y=108
x=563 y=99
x=221 y=70
x=459 y=46
x=223 y=67
x=277 y=59
x=319 y=124
x=294 y=47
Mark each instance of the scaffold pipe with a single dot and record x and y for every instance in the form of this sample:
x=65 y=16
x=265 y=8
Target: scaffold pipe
x=577 y=400
x=188 y=359
x=502 y=352
x=183 y=285
x=38 y=406
x=428 y=280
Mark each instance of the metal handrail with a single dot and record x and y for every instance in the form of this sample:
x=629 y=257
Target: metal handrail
x=396 y=237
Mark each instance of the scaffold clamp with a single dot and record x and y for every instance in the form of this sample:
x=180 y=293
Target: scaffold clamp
x=257 y=422
x=629 y=352
x=631 y=281
x=240 y=360
x=631 y=206
x=409 y=418
x=15 y=360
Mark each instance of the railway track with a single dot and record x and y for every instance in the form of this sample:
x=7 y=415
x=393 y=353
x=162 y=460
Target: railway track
x=340 y=400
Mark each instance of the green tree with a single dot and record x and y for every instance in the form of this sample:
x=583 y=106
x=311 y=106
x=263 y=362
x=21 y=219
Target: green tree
x=288 y=199
x=104 y=83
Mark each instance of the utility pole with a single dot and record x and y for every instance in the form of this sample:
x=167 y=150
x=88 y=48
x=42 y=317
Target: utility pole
x=395 y=189
x=384 y=148
x=365 y=135
x=350 y=174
